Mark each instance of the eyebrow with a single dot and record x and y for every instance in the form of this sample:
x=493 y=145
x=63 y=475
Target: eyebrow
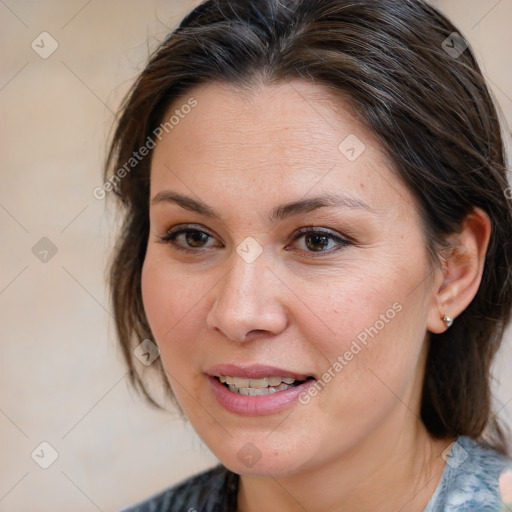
x=279 y=213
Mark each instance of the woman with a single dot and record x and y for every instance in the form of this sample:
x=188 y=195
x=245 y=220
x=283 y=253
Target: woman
x=317 y=238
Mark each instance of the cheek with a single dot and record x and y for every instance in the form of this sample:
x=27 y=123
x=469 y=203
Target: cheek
x=340 y=307
x=373 y=358
x=159 y=298
x=370 y=319
x=171 y=302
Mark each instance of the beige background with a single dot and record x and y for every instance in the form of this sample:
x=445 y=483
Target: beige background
x=61 y=377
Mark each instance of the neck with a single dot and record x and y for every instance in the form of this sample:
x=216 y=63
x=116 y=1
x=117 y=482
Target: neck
x=396 y=469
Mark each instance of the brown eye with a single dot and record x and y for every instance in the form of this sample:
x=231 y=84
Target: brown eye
x=196 y=238
x=316 y=242
x=188 y=239
x=320 y=242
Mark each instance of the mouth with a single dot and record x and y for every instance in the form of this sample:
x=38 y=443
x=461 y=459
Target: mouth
x=254 y=390
x=259 y=387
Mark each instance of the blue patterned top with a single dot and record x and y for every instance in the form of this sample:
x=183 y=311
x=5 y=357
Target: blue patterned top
x=469 y=483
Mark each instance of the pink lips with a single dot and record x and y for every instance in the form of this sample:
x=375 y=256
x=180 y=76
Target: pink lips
x=252 y=372
x=255 y=405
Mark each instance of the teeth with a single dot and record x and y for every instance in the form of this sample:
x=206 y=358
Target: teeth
x=241 y=383
x=257 y=387
x=253 y=391
x=255 y=383
x=260 y=391
x=258 y=383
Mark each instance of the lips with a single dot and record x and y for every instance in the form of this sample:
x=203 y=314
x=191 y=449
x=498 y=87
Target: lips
x=258 y=387
x=256 y=390
x=254 y=372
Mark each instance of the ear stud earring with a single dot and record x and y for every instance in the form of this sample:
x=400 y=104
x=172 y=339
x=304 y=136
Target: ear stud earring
x=448 y=320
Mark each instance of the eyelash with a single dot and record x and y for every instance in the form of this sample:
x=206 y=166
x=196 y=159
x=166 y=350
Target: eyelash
x=172 y=234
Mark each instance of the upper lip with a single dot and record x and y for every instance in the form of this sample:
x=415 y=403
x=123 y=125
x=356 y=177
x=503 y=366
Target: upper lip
x=253 y=371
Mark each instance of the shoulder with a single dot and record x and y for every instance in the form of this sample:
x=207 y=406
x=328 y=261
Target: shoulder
x=210 y=491
x=470 y=480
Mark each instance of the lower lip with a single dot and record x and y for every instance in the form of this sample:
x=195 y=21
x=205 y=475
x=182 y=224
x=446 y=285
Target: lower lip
x=256 y=405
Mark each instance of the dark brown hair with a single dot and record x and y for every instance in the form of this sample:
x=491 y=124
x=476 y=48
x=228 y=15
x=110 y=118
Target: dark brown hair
x=430 y=109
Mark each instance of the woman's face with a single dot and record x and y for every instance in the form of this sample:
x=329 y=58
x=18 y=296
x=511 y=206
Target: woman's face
x=304 y=265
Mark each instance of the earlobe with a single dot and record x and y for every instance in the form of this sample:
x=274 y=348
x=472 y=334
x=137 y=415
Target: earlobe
x=461 y=271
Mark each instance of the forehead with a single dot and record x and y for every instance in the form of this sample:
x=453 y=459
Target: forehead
x=292 y=137
x=289 y=119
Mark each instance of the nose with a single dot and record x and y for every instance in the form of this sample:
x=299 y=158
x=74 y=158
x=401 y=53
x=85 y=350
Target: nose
x=249 y=301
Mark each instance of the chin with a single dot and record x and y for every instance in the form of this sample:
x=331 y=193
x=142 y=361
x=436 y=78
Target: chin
x=279 y=454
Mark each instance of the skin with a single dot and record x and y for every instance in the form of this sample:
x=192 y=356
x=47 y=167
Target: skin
x=359 y=444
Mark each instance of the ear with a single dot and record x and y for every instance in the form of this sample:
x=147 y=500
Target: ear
x=458 y=279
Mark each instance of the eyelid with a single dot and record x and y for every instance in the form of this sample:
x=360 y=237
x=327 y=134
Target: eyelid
x=180 y=229
x=184 y=227
x=324 y=231
x=341 y=240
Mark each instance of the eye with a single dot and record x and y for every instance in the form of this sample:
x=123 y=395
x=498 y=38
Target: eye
x=191 y=239
x=320 y=241
x=186 y=238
